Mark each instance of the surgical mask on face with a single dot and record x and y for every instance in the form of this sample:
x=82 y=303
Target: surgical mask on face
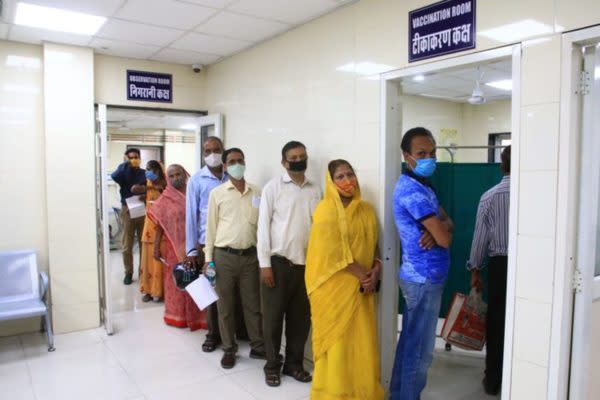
x=236 y=171
x=297 y=166
x=425 y=167
x=347 y=188
x=213 y=160
x=178 y=183
x=151 y=176
x=135 y=162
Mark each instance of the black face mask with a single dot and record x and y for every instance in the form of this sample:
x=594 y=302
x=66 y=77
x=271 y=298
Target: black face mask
x=297 y=166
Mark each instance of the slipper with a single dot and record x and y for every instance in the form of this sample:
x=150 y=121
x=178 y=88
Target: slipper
x=272 y=380
x=210 y=345
x=300 y=375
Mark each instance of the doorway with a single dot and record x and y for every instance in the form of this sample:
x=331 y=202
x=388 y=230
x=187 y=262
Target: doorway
x=440 y=96
x=167 y=136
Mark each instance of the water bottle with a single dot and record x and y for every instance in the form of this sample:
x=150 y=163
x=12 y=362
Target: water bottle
x=211 y=273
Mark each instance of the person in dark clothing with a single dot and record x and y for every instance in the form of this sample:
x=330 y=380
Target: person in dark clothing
x=132 y=181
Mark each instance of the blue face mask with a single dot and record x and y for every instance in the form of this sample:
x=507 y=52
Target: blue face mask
x=425 y=167
x=236 y=171
x=151 y=176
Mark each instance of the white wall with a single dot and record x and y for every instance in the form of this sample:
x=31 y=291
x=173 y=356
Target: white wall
x=70 y=186
x=594 y=379
x=478 y=122
x=22 y=159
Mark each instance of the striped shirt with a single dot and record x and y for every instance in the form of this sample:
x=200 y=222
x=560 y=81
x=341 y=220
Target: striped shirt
x=491 y=227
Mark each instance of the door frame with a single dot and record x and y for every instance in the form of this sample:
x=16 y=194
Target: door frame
x=390 y=162
x=570 y=135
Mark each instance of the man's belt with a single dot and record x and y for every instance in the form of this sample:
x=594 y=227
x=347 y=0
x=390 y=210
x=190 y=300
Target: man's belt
x=239 y=252
x=285 y=260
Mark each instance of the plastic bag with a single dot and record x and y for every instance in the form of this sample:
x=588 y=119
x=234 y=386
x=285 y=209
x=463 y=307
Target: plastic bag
x=465 y=323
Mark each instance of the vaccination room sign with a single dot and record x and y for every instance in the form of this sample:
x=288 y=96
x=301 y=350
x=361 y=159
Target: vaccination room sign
x=149 y=86
x=441 y=28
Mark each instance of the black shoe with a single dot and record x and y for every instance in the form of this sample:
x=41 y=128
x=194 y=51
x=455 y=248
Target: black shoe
x=146 y=298
x=228 y=360
x=258 y=354
x=128 y=279
x=490 y=389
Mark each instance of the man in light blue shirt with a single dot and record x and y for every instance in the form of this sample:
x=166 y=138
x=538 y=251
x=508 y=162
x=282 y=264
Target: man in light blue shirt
x=198 y=189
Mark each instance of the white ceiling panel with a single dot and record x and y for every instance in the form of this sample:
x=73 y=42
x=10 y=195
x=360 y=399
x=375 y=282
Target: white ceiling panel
x=103 y=8
x=209 y=44
x=290 y=11
x=168 y=13
x=138 y=33
x=37 y=36
x=122 y=49
x=184 y=57
x=209 y=3
x=3 y=31
x=238 y=26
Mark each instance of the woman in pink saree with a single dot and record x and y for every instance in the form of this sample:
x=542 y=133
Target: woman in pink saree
x=168 y=213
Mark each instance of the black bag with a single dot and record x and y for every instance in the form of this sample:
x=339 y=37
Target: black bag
x=184 y=274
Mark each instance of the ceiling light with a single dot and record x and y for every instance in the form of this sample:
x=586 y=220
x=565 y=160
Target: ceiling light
x=517 y=31
x=23 y=62
x=505 y=84
x=597 y=73
x=55 y=19
x=419 y=78
x=365 y=68
x=26 y=89
x=188 y=127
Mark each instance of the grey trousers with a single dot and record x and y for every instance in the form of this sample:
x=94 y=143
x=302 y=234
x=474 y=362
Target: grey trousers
x=286 y=301
x=132 y=231
x=233 y=272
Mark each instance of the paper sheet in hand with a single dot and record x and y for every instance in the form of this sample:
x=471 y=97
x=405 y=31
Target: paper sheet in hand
x=136 y=207
x=202 y=292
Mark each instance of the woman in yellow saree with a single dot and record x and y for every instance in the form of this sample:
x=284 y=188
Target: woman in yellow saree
x=342 y=272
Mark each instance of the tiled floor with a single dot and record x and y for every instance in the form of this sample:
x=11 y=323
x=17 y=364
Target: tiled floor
x=145 y=359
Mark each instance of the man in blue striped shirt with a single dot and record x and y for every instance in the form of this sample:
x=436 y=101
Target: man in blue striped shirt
x=491 y=240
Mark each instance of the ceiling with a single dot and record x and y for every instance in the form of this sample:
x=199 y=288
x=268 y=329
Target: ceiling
x=457 y=84
x=124 y=119
x=175 y=31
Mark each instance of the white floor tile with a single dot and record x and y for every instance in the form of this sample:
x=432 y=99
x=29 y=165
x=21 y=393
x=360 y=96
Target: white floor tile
x=11 y=350
x=253 y=381
x=223 y=388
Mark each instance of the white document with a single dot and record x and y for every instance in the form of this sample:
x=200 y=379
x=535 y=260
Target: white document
x=202 y=292
x=136 y=207
x=256 y=201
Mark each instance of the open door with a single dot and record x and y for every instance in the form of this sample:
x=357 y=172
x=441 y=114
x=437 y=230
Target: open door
x=585 y=356
x=102 y=214
x=208 y=125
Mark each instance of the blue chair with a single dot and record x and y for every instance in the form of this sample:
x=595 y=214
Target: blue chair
x=24 y=291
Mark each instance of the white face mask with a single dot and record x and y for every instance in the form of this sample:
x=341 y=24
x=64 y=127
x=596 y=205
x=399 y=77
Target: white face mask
x=213 y=160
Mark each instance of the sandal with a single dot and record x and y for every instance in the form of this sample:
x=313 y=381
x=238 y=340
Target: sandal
x=272 y=380
x=300 y=375
x=210 y=345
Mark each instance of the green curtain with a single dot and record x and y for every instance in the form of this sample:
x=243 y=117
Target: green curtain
x=459 y=187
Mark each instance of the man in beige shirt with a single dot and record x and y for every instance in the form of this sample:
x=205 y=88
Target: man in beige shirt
x=231 y=245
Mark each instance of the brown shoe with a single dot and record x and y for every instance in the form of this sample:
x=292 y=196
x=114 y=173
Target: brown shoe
x=228 y=360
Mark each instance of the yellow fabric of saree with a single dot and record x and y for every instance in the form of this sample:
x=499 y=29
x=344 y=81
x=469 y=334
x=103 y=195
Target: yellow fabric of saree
x=344 y=338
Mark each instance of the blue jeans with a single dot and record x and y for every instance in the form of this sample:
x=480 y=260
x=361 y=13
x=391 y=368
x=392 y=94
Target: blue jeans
x=417 y=339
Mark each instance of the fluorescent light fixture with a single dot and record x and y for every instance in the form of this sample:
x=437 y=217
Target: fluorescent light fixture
x=437 y=96
x=365 y=68
x=188 y=127
x=418 y=78
x=597 y=73
x=23 y=62
x=12 y=88
x=505 y=84
x=13 y=110
x=517 y=31
x=55 y=19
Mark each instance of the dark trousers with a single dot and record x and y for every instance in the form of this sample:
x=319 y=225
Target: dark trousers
x=237 y=273
x=212 y=314
x=497 y=270
x=287 y=300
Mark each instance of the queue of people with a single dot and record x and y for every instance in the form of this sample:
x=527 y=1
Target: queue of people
x=289 y=258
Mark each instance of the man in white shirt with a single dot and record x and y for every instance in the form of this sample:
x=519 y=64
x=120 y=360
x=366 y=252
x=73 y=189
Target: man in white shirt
x=284 y=222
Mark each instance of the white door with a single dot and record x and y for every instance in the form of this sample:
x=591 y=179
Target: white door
x=585 y=357
x=102 y=215
x=208 y=125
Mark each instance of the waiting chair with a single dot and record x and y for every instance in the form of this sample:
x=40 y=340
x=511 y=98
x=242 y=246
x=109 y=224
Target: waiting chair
x=24 y=292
